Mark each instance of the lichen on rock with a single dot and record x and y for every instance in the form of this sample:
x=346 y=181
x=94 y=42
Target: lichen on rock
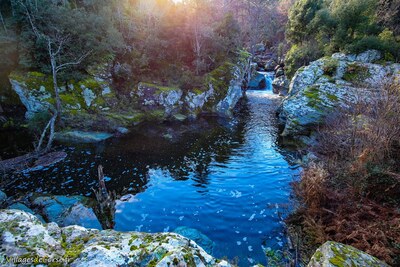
x=329 y=83
x=23 y=235
x=332 y=254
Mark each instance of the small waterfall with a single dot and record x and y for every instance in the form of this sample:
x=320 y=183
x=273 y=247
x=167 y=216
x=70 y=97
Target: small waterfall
x=268 y=81
x=262 y=81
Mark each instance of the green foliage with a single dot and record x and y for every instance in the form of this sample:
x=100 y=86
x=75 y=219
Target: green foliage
x=330 y=66
x=300 y=16
x=318 y=28
x=301 y=55
x=356 y=73
x=78 y=29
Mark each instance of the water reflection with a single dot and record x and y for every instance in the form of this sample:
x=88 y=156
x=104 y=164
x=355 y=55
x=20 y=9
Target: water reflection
x=220 y=177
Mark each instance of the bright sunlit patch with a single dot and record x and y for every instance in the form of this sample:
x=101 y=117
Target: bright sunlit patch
x=177 y=1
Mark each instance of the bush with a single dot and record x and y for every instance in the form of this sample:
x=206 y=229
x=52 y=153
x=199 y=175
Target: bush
x=352 y=195
x=301 y=55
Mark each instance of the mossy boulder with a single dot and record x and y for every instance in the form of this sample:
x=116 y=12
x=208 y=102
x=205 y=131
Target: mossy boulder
x=228 y=82
x=24 y=236
x=330 y=83
x=332 y=254
x=36 y=93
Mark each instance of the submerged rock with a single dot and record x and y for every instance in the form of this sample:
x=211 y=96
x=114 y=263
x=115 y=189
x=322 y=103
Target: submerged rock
x=193 y=234
x=80 y=215
x=3 y=197
x=332 y=254
x=68 y=210
x=22 y=234
x=82 y=137
x=330 y=83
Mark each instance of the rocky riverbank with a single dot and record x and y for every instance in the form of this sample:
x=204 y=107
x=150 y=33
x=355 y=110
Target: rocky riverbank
x=344 y=111
x=26 y=238
x=92 y=108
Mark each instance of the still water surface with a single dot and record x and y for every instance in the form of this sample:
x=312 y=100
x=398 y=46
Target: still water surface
x=227 y=179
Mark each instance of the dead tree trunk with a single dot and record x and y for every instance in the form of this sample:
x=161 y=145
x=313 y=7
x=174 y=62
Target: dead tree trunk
x=105 y=209
x=50 y=125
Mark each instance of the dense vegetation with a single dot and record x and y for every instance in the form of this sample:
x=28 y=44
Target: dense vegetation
x=163 y=41
x=322 y=27
x=350 y=194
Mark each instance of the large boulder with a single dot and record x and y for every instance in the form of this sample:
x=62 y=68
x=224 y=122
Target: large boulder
x=23 y=235
x=23 y=207
x=280 y=85
x=332 y=254
x=270 y=65
x=330 y=83
x=232 y=90
x=68 y=210
x=257 y=81
x=36 y=93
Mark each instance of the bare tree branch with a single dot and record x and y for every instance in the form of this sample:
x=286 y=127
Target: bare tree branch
x=77 y=62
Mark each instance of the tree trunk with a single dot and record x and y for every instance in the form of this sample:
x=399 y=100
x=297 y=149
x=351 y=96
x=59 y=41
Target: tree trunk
x=2 y=21
x=54 y=73
x=50 y=125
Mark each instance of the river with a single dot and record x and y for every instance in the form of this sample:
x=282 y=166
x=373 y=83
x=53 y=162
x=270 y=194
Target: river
x=229 y=179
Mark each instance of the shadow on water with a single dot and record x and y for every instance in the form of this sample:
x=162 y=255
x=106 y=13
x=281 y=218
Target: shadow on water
x=226 y=178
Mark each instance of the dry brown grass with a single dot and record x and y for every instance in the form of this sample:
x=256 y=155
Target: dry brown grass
x=352 y=195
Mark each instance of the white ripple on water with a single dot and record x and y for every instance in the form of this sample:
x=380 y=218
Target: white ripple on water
x=236 y=194
x=144 y=216
x=252 y=217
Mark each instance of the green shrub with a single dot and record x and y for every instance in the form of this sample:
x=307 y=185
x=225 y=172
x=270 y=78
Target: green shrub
x=301 y=55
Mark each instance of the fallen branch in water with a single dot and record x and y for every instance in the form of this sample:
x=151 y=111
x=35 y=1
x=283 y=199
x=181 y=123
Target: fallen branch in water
x=31 y=161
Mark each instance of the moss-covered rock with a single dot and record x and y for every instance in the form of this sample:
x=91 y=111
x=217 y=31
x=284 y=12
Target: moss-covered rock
x=24 y=236
x=332 y=254
x=329 y=83
x=36 y=92
x=166 y=100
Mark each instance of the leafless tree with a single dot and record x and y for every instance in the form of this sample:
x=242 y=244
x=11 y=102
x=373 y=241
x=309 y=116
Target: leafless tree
x=56 y=42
